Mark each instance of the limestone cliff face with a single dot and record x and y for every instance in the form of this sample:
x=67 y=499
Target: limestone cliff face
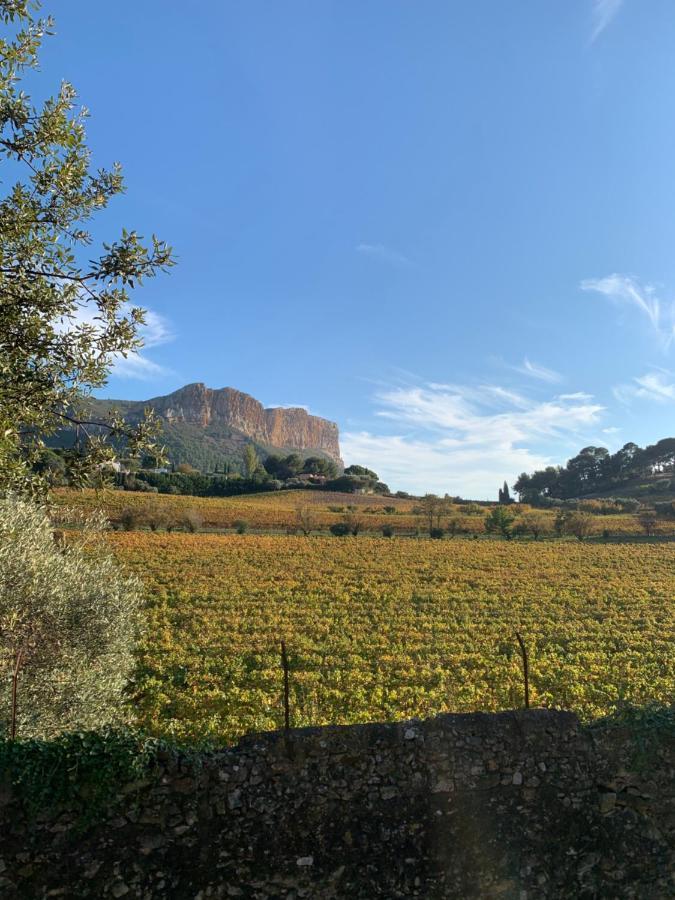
x=292 y=429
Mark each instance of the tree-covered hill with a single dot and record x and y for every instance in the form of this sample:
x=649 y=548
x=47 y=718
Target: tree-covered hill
x=632 y=471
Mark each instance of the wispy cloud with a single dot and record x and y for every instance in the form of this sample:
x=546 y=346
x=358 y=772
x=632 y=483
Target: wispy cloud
x=535 y=370
x=658 y=386
x=626 y=291
x=464 y=439
x=137 y=365
x=385 y=254
x=602 y=14
x=157 y=330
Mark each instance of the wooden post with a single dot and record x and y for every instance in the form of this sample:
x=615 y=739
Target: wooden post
x=287 y=708
x=18 y=658
x=526 y=670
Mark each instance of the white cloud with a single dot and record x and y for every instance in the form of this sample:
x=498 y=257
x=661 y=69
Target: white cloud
x=138 y=366
x=421 y=466
x=603 y=13
x=658 y=386
x=624 y=290
x=578 y=395
x=385 y=254
x=535 y=370
x=465 y=440
x=155 y=332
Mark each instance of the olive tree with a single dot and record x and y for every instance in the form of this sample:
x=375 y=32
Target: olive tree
x=68 y=623
x=535 y=523
x=580 y=524
x=65 y=310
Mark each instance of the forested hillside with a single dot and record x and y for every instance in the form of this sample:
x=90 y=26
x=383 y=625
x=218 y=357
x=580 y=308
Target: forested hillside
x=632 y=471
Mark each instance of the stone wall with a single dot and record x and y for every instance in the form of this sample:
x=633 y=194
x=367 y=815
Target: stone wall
x=514 y=805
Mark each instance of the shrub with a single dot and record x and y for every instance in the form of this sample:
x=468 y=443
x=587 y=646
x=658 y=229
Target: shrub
x=471 y=509
x=453 y=525
x=387 y=531
x=660 y=487
x=129 y=519
x=137 y=484
x=241 y=526
x=340 y=529
x=352 y=521
x=499 y=521
x=560 y=522
x=436 y=533
x=68 y=622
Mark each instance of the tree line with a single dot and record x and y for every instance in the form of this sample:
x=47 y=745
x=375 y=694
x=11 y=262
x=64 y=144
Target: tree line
x=595 y=469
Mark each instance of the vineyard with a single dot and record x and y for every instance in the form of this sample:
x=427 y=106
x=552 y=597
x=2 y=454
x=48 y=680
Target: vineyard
x=279 y=511
x=381 y=629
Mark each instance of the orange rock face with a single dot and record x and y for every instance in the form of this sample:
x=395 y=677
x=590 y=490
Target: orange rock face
x=292 y=429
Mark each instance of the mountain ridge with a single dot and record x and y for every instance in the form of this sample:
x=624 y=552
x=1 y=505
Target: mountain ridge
x=207 y=426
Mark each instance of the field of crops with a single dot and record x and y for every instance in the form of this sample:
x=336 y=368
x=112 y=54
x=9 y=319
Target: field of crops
x=278 y=511
x=382 y=629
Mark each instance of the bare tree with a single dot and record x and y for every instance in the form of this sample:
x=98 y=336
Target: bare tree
x=353 y=520
x=648 y=521
x=305 y=519
x=156 y=516
x=432 y=507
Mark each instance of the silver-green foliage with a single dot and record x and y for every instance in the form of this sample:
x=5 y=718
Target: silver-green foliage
x=65 y=307
x=70 y=617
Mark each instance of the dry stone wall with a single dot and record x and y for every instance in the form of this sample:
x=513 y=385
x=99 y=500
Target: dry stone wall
x=522 y=805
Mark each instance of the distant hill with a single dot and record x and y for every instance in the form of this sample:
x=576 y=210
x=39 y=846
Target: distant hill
x=210 y=428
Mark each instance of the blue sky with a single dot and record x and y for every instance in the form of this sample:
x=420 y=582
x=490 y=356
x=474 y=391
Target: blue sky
x=448 y=226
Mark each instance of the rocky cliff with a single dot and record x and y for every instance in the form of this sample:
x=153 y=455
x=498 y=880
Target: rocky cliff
x=206 y=427
x=294 y=429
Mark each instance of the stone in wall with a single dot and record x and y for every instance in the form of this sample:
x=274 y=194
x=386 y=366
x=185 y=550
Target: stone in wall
x=520 y=806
